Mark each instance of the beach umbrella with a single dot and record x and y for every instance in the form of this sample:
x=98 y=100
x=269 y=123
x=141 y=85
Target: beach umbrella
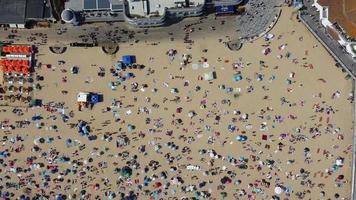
x=126 y=172
x=278 y=190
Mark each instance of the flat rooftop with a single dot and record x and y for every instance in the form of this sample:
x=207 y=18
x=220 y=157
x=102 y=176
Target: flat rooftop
x=94 y=5
x=149 y=7
x=342 y=12
x=17 y=11
x=12 y=11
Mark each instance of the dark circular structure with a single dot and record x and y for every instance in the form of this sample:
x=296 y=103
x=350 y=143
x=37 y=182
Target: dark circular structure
x=234 y=45
x=57 y=49
x=110 y=49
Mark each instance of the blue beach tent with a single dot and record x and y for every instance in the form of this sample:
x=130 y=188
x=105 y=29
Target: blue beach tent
x=128 y=59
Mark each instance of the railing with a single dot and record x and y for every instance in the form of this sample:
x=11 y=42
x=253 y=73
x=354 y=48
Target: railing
x=226 y=2
x=187 y=12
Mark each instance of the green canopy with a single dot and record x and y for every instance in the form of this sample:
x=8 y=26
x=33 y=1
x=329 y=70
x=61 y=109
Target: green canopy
x=126 y=172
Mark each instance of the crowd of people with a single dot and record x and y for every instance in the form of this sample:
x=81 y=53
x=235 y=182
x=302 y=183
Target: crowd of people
x=257 y=129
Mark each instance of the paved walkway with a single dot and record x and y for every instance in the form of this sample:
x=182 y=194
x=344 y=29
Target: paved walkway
x=258 y=16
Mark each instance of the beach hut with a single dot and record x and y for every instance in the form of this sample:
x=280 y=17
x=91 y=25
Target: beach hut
x=128 y=59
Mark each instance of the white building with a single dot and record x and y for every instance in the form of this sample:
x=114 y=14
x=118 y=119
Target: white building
x=324 y=18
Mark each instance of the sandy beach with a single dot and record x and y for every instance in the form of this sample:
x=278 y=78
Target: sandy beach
x=284 y=131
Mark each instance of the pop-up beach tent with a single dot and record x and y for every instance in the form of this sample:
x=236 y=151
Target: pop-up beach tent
x=83 y=97
x=128 y=59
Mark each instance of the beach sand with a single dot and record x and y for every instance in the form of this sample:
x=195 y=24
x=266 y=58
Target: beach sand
x=308 y=87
